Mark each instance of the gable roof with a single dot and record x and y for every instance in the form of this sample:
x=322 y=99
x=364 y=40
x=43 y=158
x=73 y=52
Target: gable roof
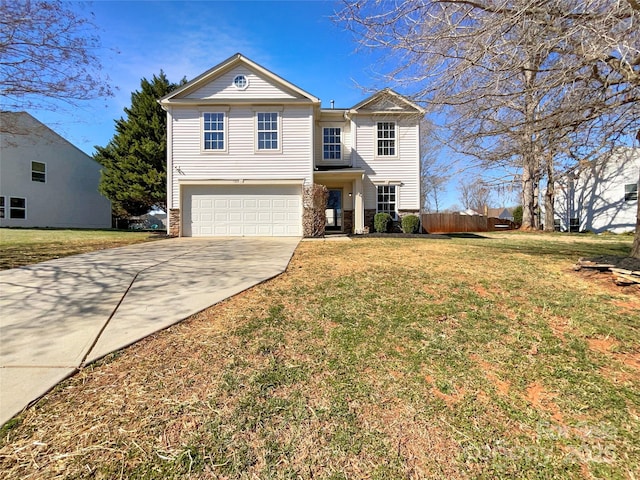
x=387 y=101
x=232 y=62
x=23 y=124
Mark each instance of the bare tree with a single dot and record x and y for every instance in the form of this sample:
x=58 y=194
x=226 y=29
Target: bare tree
x=524 y=83
x=474 y=194
x=434 y=174
x=47 y=54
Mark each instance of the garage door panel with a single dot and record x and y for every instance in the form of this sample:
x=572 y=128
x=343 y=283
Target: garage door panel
x=242 y=210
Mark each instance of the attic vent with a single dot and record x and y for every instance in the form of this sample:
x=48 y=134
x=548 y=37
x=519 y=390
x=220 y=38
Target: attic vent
x=240 y=82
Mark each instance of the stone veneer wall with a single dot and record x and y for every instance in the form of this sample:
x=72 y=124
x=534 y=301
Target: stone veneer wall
x=347 y=221
x=174 y=222
x=369 y=215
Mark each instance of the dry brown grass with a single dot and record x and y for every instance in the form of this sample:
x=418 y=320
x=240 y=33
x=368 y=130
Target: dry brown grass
x=374 y=359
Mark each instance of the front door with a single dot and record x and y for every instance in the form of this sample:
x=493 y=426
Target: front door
x=334 y=210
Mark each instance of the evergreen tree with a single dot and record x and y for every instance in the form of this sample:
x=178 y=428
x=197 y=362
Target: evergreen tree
x=134 y=174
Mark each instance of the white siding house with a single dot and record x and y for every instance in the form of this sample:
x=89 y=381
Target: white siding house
x=45 y=181
x=243 y=143
x=600 y=196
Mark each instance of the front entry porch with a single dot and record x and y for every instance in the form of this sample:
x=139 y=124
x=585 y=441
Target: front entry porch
x=345 y=205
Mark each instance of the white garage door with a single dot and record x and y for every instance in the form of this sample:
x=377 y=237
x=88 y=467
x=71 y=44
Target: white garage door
x=242 y=211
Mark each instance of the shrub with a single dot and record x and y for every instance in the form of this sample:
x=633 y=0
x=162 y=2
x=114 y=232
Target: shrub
x=314 y=217
x=382 y=222
x=410 y=223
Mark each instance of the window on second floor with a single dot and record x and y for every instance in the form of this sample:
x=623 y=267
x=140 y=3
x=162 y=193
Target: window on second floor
x=386 y=139
x=387 y=200
x=38 y=172
x=267 y=129
x=213 y=131
x=631 y=192
x=331 y=145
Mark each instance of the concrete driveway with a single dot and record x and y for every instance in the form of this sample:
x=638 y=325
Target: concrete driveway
x=58 y=316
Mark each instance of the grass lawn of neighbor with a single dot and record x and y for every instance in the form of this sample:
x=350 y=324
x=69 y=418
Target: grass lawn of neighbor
x=20 y=247
x=380 y=358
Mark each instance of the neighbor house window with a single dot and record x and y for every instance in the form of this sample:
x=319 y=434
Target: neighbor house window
x=631 y=192
x=213 y=130
x=386 y=136
x=331 y=149
x=38 y=172
x=574 y=224
x=267 y=130
x=1 y=207
x=17 y=207
x=387 y=199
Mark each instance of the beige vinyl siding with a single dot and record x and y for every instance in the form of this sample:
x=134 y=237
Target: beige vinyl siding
x=222 y=87
x=242 y=161
x=402 y=168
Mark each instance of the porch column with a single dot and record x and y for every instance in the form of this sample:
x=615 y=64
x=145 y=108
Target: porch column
x=358 y=206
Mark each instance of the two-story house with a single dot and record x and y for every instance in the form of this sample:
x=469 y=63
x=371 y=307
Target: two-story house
x=600 y=195
x=45 y=181
x=243 y=143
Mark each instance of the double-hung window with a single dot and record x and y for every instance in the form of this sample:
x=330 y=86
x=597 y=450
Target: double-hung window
x=38 y=172
x=386 y=139
x=331 y=149
x=17 y=207
x=267 y=129
x=213 y=131
x=387 y=200
x=630 y=192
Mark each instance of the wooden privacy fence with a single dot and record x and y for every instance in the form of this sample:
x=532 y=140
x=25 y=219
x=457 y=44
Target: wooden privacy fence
x=456 y=223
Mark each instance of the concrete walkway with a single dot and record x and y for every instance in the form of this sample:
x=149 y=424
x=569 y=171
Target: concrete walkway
x=58 y=316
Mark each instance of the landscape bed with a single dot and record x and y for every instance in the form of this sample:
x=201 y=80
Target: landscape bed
x=486 y=357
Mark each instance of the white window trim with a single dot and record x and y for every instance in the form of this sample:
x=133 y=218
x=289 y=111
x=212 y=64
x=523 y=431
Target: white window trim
x=340 y=144
x=33 y=171
x=396 y=138
x=397 y=185
x=3 y=207
x=225 y=136
x=246 y=85
x=629 y=192
x=9 y=206
x=269 y=151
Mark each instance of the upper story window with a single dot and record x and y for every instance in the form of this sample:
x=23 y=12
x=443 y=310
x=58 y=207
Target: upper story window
x=17 y=207
x=631 y=192
x=386 y=136
x=267 y=131
x=387 y=200
x=38 y=172
x=213 y=131
x=240 y=82
x=331 y=146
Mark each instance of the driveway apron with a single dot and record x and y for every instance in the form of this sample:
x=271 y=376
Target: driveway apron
x=58 y=316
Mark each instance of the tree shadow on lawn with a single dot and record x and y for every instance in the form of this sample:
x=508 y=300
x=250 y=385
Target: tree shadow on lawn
x=468 y=235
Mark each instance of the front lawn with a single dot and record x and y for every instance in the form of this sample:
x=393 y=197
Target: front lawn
x=482 y=357
x=25 y=246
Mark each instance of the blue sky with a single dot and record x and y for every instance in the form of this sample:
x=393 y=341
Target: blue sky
x=297 y=40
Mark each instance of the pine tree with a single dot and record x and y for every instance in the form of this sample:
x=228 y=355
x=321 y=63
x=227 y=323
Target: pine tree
x=134 y=161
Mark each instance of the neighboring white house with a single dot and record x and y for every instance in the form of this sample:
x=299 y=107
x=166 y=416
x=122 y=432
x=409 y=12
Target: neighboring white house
x=45 y=181
x=243 y=143
x=600 y=196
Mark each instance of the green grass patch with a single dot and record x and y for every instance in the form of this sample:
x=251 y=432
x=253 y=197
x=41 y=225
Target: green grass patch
x=20 y=247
